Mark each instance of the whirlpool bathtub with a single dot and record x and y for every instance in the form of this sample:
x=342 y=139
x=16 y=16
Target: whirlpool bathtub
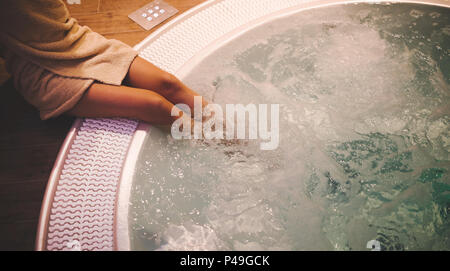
x=363 y=155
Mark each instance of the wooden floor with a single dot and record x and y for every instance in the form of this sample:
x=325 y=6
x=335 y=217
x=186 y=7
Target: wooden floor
x=28 y=146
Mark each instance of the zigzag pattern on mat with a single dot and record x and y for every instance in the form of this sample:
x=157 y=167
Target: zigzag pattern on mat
x=82 y=213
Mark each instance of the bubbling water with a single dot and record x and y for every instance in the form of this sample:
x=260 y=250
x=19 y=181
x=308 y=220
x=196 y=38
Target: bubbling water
x=364 y=140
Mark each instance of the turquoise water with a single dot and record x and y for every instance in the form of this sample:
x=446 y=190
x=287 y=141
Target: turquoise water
x=364 y=140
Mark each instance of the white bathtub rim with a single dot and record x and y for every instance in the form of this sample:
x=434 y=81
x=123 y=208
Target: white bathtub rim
x=44 y=216
x=121 y=222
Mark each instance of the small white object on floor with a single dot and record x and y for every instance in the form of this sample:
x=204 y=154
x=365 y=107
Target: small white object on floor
x=71 y=2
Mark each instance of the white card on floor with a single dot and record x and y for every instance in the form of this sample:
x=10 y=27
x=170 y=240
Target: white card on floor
x=153 y=14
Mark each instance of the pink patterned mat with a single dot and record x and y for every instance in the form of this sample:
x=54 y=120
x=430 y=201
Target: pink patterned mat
x=83 y=207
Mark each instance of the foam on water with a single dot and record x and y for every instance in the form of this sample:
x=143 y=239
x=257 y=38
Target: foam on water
x=364 y=140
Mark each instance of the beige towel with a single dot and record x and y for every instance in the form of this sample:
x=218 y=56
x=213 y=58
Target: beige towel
x=50 y=93
x=43 y=32
x=53 y=59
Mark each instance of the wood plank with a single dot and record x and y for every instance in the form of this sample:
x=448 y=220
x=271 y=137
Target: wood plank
x=18 y=236
x=132 y=5
x=112 y=17
x=130 y=38
x=4 y=75
x=124 y=7
x=23 y=200
x=108 y=22
x=183 y=5
x=36 y=163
